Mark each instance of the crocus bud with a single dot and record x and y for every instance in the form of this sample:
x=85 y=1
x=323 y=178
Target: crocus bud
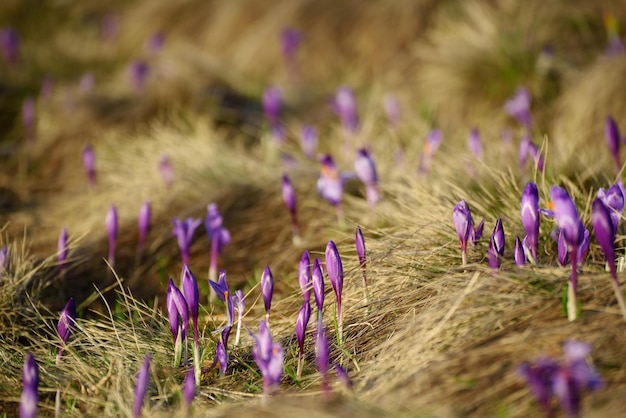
x=318 y=284
x=290 y=41
x=366 y=172
x=308 y=141
x=474 y=144
x=166 y=169
x=66 y=323
x=562 y=253
x=267 y=290
x=62 y=248
x=111 y=224
x=304 y=275
x=10 y=45
x=342 y=376
x=329 y=184
x=191 y=293
x=322 y=355
x=138 y=72
x=604 y=232
x=462 y=218
x=496 y=245
x=518 y=107
x=89 y=162
x=141 y=386
x=304 y=314
x=518 y=253
x=529 y=212
x=613 y=139
x=359 y=243
x=492 y=255
x=272 y=105
x=344 y=105
x=177 y=306
x=189 y=388
x=183 y=230
x=144 y=222
x=289 y=194
x=30 y=382
x=613 y=199
x=221 y=356
x=392 y=109
x=334 y=269
x=28 y=118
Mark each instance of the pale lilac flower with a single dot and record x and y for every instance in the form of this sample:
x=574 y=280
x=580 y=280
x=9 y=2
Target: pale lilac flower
x=112 y=226
x=218 y=235
x=30 y=383
x=269 y=357
x=334 y=269
x=290 y=41
x=155 y=43
x=308 y=141
x=143 y=221
x=344 y=105
x=65 y=325
x=304 y=275
x=289 y=196
x=87 y=82
x=474 y=143
x=304 y=314
x=529 y=213
x=359 y=243
x=166 y=169
x=10 y=45
x=138 y=72
x=89 y=162
x=613 y=139
x=392 y=109
x=183 y=231
x=267 y=291
x=366 y=172
x=318 y=285
x=110 y=27
x=62 y=249
x=141 y=386
x=518 y=106
x=431 y=145
x=322 y=356
x=329 y=184
x=507 y=138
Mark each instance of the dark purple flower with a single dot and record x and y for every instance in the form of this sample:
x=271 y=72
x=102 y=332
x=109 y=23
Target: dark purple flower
x=359 y=243
x=166 y=170
x=143 y=222
x=89 y=162
x=65 y=324
x=329 y=184
x=304 y=275
x=334 y=269
x=218 y=235
x=62 y=248
x=474 y=143
x=221 y=356
x=189 y=388
x=155 y=43
x=540 y=377
x=322 y=355
x=138 y=72
x=613 y=199
x=462 y=217
x=518 y=106
x=10 y=45
x=30 y=382
x=567 y=218
x=366 y=172
x=613 y=139
x=304 y=314
x=344 y=105
x=529 y=212
x=604 y=232
x=141 y=386
x=112 y=225
x=183 y=231
x=269 y=358
x=342 y=376
x=308 y=141
x=318 y=285
x=392 y=109
x=518 y=253
x=29 y=111
x=267 y=290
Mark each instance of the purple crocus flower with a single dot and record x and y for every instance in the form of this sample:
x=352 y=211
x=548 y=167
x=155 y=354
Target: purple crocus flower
x=269 y=358
x=62 y=249
x=562 y=252
x=359 y=243
x=289 y=196
x=529 y=212
x=10 y=45
x=65 y=325
x=392 y=109
x=155 y=43
x=141 y=386
x=192 y=296
x=272 y=106
x=189 y=388
x=539 y=377
x=290 y=41
x=177 y=308
x=431 y=145
x=221 y=357
x=569 y=223
x=138 y=72
x=267 y=290
x=613 y=199
x=334 y=269
x=89 y=162
x=87 y=82
x=462 y=217
x=344 y=105
x=112 y=224
x=366 y=172
x=474 y=144
x=304 y=275
x=613 y=139
x=342 y=376
x=524 y=147
x=183 y=231
x=329 y=184
x=223 y=292
x=322 y=356
x=318 y=285
x=239 y=302
x=30 y=382
x=496 y=245
x=166 y=170
x=218 y=235
x=518 y=106
x=143 y=222
x=304 y=314
x=4 y=259
x=518 y=253
x=308 y=141
x=28 y=118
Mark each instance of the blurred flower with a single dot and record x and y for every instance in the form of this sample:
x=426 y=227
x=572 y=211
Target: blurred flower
x=10 y=44
x=166 y=170
x=28 y=118
x=539 y=377
x=507 y=138
x=518 y=107
x=30 y=382
x=329 y=184
x=496 y=245
x=342 y=376
x=535 y=153
x=474 y=144
x=267 y=290
x=155 y=43
x=613 y=139
x=604 y=232
x=334 y=269
x=524 y=147
x=518 y=253
x=322 y=355
x=218 y=235
x=177 y=308
x=318 y=285
x=143 y=222
x=304 y=275
x=65 y=325
x=141 y=386
x=304 y=314
x=89 y=162
x=272 y=106
x=614 y=45
x=62 y=248
x=308 y=140
x=359 y=243
x=269 y=358
x=392 y=109
x=4 y=259
x=431 y=145
x=239 y=302
x=47 y=87
x=110 y=27
x=192 y=296
x=289 y=196
x=112 y=224
x=344 y=105
x=291 y=39
x=366 y=172
x=189 y=388
x=613 y=199
x=138 y=71
x=183 y=231
x=87 y=82
x=529 y=213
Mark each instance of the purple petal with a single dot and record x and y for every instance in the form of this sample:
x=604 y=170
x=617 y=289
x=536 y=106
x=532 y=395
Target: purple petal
x=141 y=386
x=304 y=275
x=267 y=287
x=30 y=382
x=318 y=283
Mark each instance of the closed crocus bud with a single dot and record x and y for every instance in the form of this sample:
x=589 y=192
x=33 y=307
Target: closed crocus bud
x=604 y=232
x=359 y=243
x=30 y=382
x=344 y=105
x=141 y=386
x=308 y=141
x=304 y=314
x=334 y=269
x=529 y=212
x=318 y=284
x=518 y=253
x=462 y=218
x=474 y=143
x=65 y=324
x=138 y=72
x=272 y=105
x=518 y=106
x=267 y=290
x=366 y=172
x=189 y=388
x=221 y=356
x=498 y=235
x=322 y=355
x=89 y=162
x=62 y=248
x=613 y=199
x=613 y=139
x=191 y=293
x=144 y=222
x=10 y=45
x=172 y=312
x=177 y=306
x=492 y=253
x=304 y=275
x=562 y=253
x=112 y=225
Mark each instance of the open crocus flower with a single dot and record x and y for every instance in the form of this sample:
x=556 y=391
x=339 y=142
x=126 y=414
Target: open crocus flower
x=192 y=296
x=613 y=199
x=318 y=285
x=304 y=314
x=308 y=141
x=496 y=245
x=289 y=196
x=613 y=139
x=605 y=235
x=183 y=231
x=304 y=275
x=30 y=383
x=111 y=224
x=141 y=386
x=62 y=248
x=334 y=269
x=177 y=308
x=529 y=212
x=366 y=172
x=474 y=144
x=218 y=235
x=518 y=106
x=573 y=231
x=344 y=105
x=431 y=145
x=269 y=357
x=267 y=291
x=89 y=163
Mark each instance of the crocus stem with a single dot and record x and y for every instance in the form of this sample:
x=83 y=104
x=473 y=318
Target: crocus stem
x=572 y=305
x=300 y=364
x=463 y=258
x=620 y=297
x=177 y=349
x=57 y=401
x=267 y=318
x=295 y=229
x=238 y=334
x=339 y=322
x=196 y=362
